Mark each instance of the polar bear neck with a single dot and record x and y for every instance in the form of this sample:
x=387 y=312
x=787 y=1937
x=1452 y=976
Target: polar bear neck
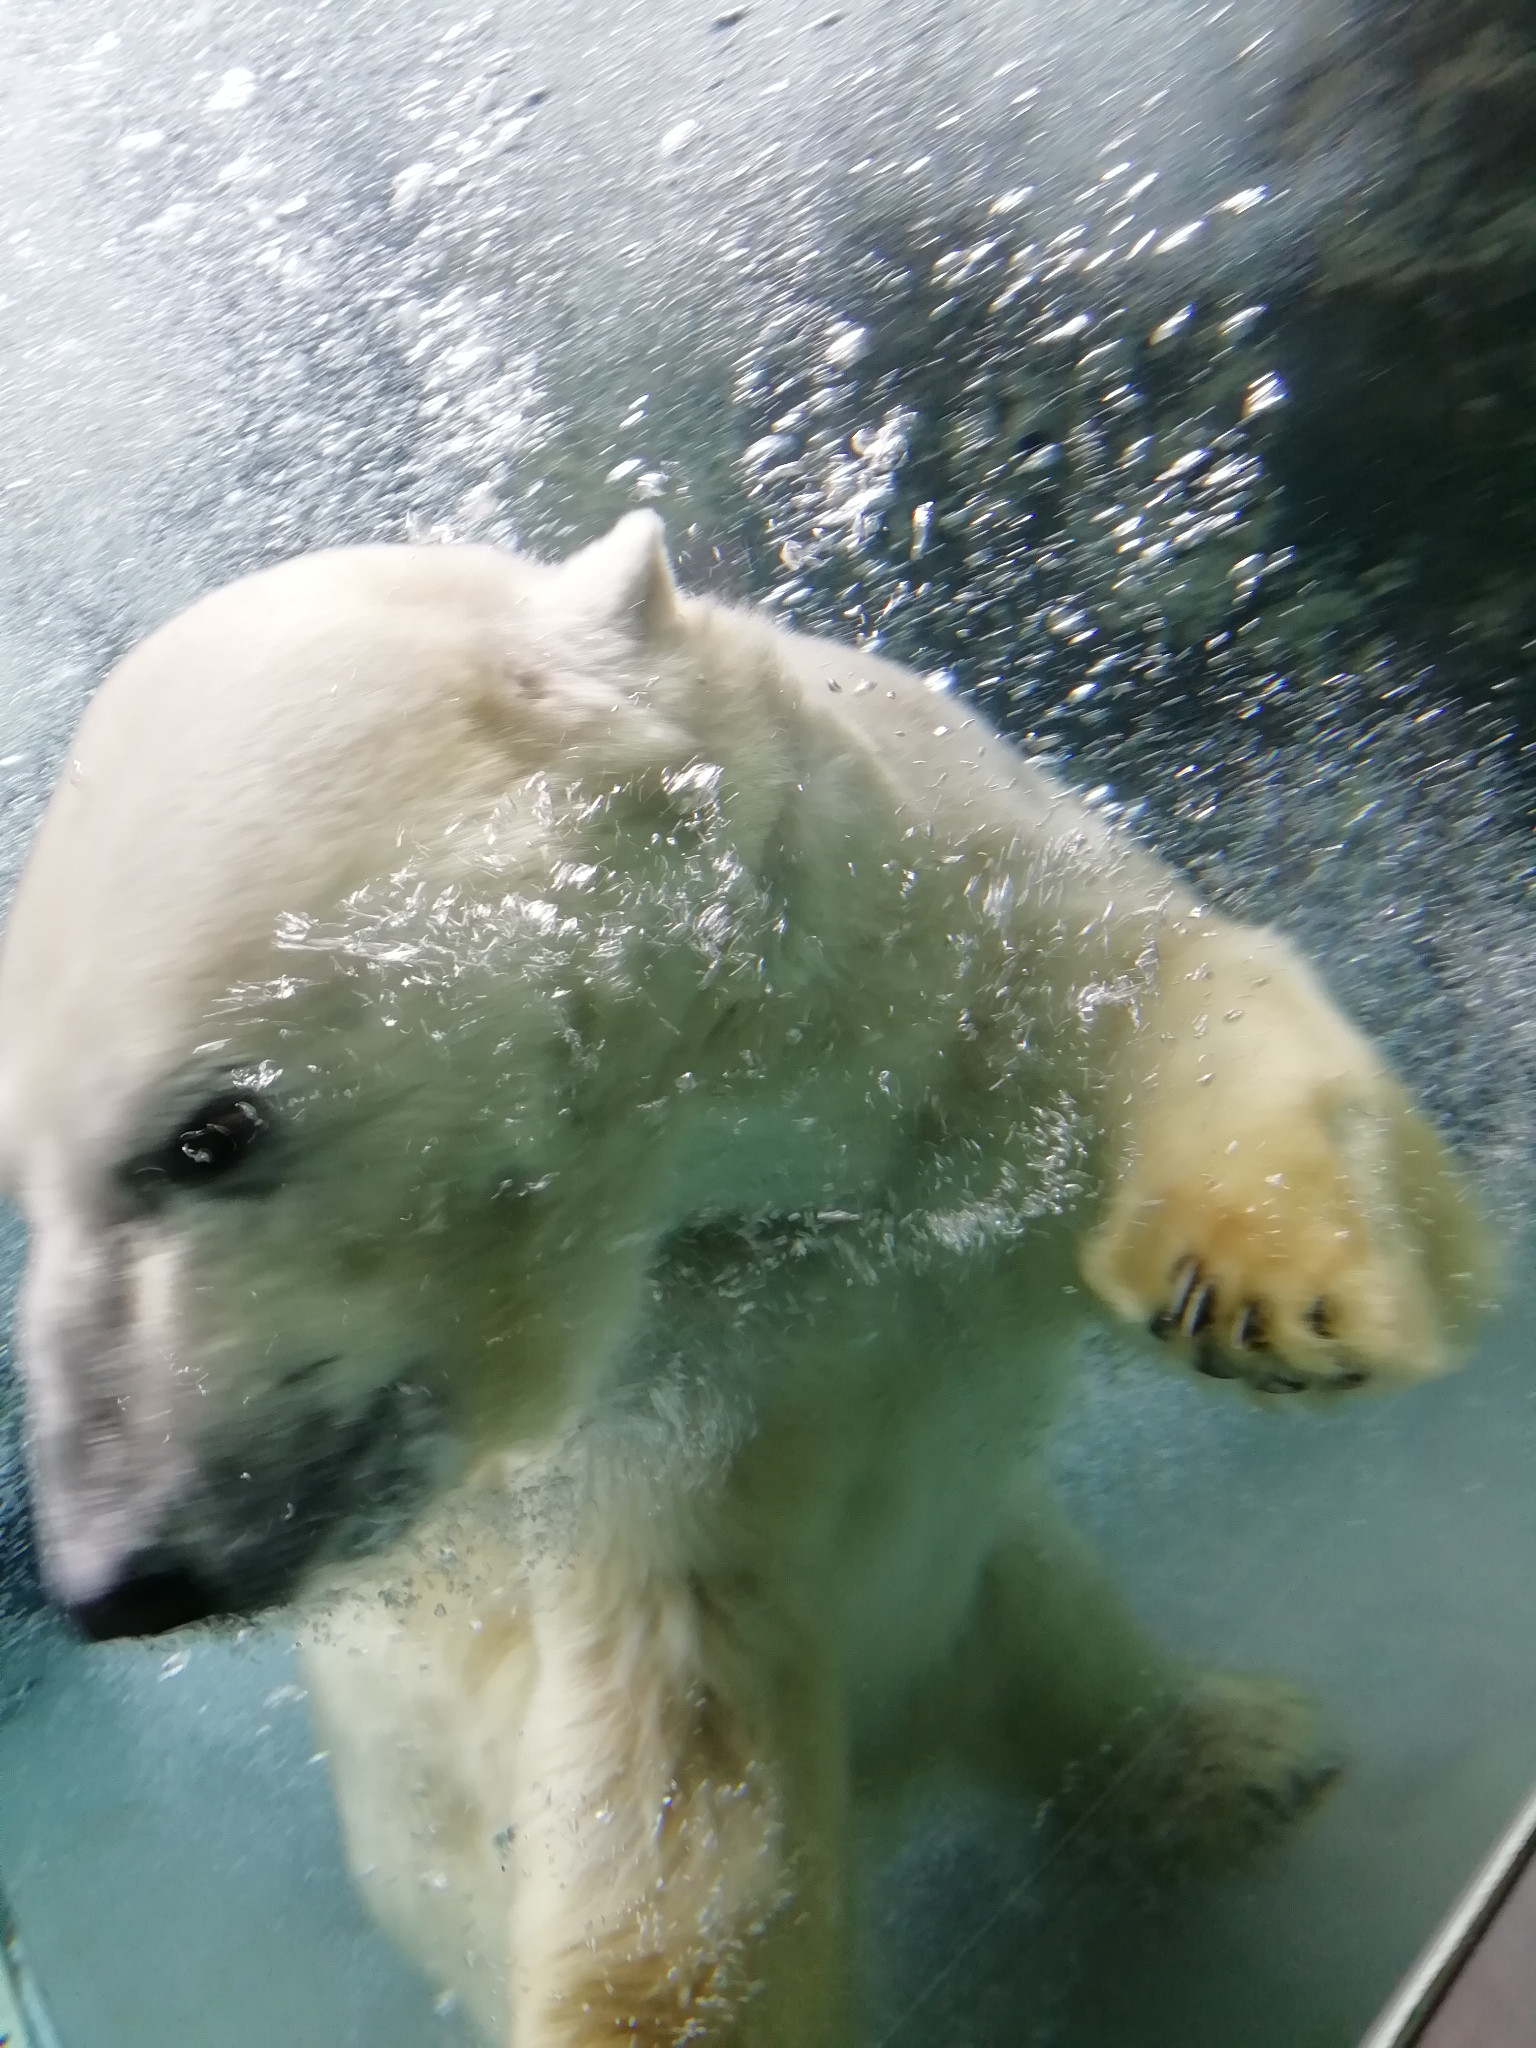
x=871 y=763
x=839 y=836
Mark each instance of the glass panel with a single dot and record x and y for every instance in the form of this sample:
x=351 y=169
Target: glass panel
x=1154 y=378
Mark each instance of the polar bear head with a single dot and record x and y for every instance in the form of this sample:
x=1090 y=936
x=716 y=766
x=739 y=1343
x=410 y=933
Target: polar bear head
x=337 y=933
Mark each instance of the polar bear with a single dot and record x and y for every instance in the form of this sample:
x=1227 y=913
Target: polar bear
x=612 y=1116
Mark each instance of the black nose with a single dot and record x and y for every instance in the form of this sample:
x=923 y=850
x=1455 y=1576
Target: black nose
x=146 y=1604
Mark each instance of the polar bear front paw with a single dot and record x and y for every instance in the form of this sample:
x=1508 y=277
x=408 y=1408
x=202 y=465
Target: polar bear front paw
x=1282 y=1215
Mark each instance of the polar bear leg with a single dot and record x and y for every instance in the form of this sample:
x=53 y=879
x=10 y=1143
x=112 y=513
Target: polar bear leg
x=418 y=1687
x=681 y=1851
x=1055 y=1690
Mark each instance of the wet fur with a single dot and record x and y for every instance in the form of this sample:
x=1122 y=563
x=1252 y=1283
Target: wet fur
x=718 y=1081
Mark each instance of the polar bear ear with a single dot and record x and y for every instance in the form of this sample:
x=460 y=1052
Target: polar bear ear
x=624 y=580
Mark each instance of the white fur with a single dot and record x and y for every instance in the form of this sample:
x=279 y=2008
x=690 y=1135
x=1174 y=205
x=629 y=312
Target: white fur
x=707 y=1066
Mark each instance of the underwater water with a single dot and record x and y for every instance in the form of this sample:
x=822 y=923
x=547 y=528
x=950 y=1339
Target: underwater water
x=1161 y=373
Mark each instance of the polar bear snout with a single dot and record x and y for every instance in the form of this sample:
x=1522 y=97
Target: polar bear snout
x=251 y=1524
x=149 y=1602
x=144 y=1526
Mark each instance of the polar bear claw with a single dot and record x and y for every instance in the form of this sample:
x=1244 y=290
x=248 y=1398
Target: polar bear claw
x=1229 y=1344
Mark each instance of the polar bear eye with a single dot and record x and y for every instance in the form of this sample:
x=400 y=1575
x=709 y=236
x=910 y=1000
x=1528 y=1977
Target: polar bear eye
x=216 y=1138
